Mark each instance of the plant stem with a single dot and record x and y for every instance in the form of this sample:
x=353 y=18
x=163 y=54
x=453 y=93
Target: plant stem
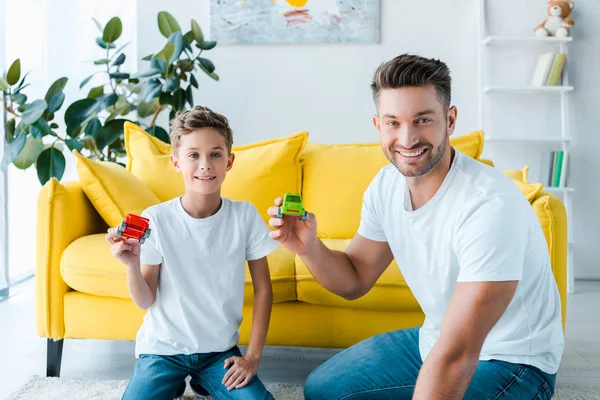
x=158 y=109
x=10 y=111
x=114 y=89
x=58 y=137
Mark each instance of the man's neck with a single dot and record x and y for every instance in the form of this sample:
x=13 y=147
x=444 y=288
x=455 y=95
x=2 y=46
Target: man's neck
x=201 y=205
x=423 y=188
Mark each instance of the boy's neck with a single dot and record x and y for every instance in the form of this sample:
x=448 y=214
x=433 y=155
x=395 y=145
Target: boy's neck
x=201 y=205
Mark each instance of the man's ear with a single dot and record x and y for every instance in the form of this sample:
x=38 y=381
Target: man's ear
x=175 y=163
x=452 y=116
x=230 y=161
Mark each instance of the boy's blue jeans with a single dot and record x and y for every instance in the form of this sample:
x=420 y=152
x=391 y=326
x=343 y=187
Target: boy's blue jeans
x=386 y=366
x=160 y=377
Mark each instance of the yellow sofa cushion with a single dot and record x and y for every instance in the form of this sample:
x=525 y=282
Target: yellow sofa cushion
x=261 y=171
x=390 y=292
x=518 y=174
x=113 y=191
x=336 y=176
x=520 y=177
x=88 y=266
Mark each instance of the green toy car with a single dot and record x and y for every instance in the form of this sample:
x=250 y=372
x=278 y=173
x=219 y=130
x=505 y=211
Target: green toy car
x=292 y=205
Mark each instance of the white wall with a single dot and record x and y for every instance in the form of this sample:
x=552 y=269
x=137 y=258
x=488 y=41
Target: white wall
x=275 y=90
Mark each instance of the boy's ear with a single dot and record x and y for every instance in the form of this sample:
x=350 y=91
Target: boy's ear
x=175 y=163
x=230 y=161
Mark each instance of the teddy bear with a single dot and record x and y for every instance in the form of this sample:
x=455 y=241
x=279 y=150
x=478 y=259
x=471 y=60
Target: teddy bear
x=557 y=24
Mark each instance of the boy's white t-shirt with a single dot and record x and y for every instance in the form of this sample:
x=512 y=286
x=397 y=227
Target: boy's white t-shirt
x=200 y=294
x=478 y=227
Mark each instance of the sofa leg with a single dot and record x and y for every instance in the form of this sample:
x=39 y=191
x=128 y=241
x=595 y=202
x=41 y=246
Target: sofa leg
x=54 y=357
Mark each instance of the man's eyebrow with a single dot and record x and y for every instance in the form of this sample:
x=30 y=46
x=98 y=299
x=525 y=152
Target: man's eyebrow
x=419 y=114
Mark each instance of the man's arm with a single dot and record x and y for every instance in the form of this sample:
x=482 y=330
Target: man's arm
x=351 y=273
x=473 y=311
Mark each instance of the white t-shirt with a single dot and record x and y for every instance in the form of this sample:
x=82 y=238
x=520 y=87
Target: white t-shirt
x=200 y=294
x=477 y=227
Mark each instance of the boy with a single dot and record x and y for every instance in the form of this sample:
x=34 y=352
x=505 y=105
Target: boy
x=189 y=274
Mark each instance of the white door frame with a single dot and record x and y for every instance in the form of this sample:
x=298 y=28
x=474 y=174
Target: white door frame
x=4 y=274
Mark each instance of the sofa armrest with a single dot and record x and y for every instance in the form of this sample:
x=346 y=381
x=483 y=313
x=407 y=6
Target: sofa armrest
x=552 y=215
x=64 y=214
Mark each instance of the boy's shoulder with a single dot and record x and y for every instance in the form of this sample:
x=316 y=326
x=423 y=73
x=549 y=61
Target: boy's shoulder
x=240 y=206
x=160 y=209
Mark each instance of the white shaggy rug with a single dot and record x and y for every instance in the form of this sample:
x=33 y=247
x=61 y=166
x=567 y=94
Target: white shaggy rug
x=39 y=387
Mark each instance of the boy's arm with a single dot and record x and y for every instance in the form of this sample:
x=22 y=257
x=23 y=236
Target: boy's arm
x=142 y=281
x=263 y=301
x=242 y=369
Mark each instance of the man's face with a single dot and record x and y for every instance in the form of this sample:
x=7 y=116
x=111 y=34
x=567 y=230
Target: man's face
x=203 y=161
x=414 y=128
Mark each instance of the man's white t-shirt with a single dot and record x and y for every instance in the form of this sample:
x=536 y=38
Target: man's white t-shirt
x=200 y=294
x=477 y=227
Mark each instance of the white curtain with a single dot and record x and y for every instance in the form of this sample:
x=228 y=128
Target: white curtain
x=54 y=38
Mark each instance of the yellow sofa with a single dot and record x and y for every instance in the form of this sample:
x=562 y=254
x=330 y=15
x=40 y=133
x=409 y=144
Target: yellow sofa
x=81 y=290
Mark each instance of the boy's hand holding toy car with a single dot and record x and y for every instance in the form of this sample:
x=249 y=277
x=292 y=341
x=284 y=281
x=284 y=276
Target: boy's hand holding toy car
x=126 y=240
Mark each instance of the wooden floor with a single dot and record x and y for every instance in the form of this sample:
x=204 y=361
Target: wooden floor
x=23 y=354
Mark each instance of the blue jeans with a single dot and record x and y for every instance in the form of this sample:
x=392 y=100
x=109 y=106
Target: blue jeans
x=386 y=366
x=160 y=377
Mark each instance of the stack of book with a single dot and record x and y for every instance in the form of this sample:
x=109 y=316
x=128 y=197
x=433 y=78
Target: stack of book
x=553 y=171
x=549 y=70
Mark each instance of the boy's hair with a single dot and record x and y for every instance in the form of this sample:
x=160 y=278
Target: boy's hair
x=408 y=70
x=199 y=117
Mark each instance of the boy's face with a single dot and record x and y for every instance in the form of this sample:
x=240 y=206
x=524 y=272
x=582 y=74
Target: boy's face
x=203 y=160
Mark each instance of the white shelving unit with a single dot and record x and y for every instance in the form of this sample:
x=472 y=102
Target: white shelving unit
x=486 y=43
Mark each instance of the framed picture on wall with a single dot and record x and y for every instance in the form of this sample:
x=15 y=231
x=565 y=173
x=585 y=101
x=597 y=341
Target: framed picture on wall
x=294 y=21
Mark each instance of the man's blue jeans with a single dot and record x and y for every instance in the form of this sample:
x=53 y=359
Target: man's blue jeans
x=160 y=377
x=386 y=366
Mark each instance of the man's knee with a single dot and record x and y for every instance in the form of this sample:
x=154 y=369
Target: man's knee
x=319 y=386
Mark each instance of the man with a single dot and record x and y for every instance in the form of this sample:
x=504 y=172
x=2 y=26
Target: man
x=468 y=244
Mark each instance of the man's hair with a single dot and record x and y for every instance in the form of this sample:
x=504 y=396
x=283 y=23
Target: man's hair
x=408 y=70
x=199 y=117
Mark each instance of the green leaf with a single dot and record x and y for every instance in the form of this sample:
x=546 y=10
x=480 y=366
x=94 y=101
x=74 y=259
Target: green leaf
x=159 y=132
x=96 y=92
x=14 y=72
x=193 y=81
x=148 y=73
x=120 y=49
x=102 y=61
x=214 y=76
x=198 y=36
x=20 y=98
x=80 y=110
x=112 y=30
x=189 y=96
x=146 y=109
x=167 y=24
x=148 y=57
x=9 y=129
x=171 y=84
x=119 y=61
x=208 y=45
x=56 y=87
x=98 y=25
x=103 y=44
x=56 y=102
x=74 y=144
x=110 y=132
x=34 y=111
x=189 y=38
x=54 y=126
x=13 y=149
x=121 y=110
x=4 y=86
x=178 y=42
x=86 y=80
x=50 y=164
x=92 y=127
x=35 y=131
x=42 y=125
x=119 y=75
x=206 y=65
x=32 y=149
x=168 y=51
x=159 y=63
x=152 y=90
x=107 y=100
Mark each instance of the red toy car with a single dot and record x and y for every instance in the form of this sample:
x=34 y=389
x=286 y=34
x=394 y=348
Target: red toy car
x=134 y=227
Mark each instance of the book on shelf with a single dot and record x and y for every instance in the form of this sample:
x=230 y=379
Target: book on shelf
x=553 y=169
x=549 y=70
